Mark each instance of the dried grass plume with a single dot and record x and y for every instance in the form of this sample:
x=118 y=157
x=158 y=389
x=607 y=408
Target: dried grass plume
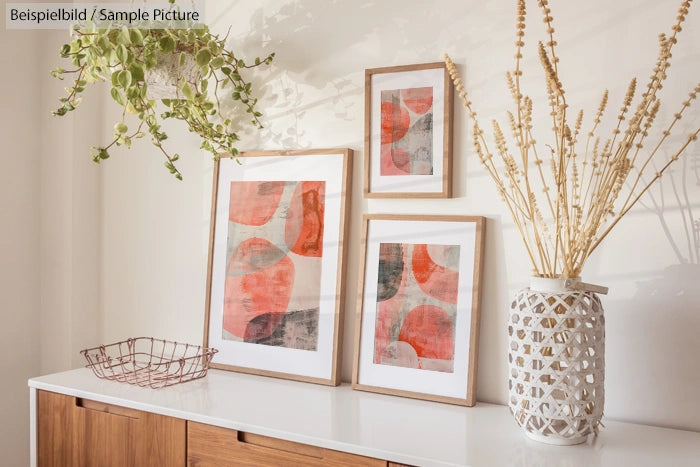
x=567 y=198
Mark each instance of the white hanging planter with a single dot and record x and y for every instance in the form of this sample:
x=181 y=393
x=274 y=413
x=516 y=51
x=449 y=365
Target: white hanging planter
x=556 y=361
x=163 y=79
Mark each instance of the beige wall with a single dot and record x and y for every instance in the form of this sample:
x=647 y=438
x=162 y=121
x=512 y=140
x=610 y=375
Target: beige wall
x=93 y=254
x=50 y=280
x=155 y=229
x=70 y=219
x=19 y=242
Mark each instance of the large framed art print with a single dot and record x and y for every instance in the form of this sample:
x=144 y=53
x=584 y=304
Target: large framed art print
x=418 y=315
x=275 y=283
x=408 y=132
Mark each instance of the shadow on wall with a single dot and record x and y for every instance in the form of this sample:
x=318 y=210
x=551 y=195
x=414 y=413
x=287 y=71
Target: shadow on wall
x=323 y=47
x=662 y=336
x=662 y=318
x=670 y=200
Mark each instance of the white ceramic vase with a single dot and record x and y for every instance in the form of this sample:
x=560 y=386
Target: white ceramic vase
x=556 y=361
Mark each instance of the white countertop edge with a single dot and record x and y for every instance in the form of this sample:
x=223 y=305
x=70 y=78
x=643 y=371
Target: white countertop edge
x=255 y=429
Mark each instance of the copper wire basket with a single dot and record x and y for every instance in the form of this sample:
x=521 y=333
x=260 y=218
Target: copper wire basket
x=149 y=362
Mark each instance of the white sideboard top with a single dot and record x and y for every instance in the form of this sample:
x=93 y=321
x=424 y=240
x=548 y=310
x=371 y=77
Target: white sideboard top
x=402 y=430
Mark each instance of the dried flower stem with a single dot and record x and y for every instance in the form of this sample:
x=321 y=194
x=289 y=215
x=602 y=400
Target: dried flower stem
x=589 y=185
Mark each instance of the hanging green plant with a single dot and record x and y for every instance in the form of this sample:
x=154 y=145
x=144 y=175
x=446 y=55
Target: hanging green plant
x=200 y=69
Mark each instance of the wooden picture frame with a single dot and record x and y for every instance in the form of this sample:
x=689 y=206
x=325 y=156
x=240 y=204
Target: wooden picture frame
x=418 y=308
x=275 y=282
x=408 y=132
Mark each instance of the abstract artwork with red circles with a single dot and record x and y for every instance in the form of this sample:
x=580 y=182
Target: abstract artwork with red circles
x=273 y=257
x=407 y=132
x=417 y=291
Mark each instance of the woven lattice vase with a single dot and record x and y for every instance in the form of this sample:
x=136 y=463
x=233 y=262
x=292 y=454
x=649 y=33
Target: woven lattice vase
x=556 y=361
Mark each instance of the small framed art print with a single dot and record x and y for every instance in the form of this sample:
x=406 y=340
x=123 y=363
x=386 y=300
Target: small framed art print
x=408 y=132
x=418 y=316
x=275 y=285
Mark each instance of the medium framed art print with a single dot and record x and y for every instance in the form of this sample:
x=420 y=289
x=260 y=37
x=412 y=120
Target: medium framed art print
x=408 y=132
x=276 y=283
x=418 y=316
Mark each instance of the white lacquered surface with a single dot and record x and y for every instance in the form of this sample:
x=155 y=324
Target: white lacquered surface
x=402 y=430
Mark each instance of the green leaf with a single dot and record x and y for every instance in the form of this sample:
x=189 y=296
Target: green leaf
x=65 y=50
x=213 y=47
x=150 y=60
x=226 y=70
x=166 y=44
x=203 y=57
x=137 y=72
x=122 y=53
x=124 y=78
x=104 y=44
x=103 y=154
x=115 y=78
x=203 y=85
x=117 y=96
x=235 y=77
x=187 y=91
x=136 y=36
x=217 y=62
x=183 y=58
x=121 y=128
x=126 y=37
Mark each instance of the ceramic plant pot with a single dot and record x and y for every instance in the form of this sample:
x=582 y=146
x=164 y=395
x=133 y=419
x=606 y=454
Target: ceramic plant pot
x=163 y=79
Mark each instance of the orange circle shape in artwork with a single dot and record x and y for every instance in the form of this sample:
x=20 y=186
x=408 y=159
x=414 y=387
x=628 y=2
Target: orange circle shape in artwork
x=303 y=230
x=429 y=330
x=400 y=353
x=389 y=158
x=248 y=295
x=254 y=203
x=395 y=122
x=418 y=100
x=435 y=280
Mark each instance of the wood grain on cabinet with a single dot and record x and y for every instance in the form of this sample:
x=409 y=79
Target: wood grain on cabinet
x=79 y=432
x=210 y=446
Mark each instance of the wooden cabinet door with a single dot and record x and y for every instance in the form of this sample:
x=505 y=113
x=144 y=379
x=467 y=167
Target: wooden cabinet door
x=210 y=446
x=80 y=432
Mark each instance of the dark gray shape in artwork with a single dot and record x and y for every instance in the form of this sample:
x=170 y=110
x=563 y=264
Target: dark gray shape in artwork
x=390 y=270
x=297 y=330
x=418 y=144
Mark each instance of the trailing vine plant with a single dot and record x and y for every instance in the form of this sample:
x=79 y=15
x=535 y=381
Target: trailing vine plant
x=125 y=56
